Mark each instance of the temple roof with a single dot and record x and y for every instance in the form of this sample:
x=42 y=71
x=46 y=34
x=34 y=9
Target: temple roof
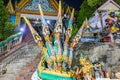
x=68 y=10
x=14 y=2
x=10 y=7
x=31 y=6
x=50 y=7
x=44 y=3
x=109 y=4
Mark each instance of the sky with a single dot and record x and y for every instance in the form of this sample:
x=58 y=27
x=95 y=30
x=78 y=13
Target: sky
x=73 y=3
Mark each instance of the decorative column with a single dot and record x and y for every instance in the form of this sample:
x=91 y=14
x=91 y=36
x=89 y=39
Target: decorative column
x=17 y=18
x=100 y=16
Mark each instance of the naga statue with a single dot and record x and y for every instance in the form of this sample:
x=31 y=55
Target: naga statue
x=57 y=57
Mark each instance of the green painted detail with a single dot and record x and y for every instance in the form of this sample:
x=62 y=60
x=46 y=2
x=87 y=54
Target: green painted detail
x=68 y=51
x=10 y=39
x=38 y=72
x=46 y=76
x=56 y=47
x=5 y=42
x=81 y=55
x=48 y=48
x=1 y=44
x=16 y=35
x=80 y=79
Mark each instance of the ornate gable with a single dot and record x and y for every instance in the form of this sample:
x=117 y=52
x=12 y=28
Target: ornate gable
x=10 y=8
x=68 y=10
x=44 y=4
x=50 y=7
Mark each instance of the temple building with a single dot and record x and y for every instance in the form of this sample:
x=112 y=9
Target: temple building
x=109 y=4
x=29 y=9
x=102 y=13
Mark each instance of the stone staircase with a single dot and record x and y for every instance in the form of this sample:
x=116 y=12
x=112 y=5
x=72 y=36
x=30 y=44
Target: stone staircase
x=14 y=63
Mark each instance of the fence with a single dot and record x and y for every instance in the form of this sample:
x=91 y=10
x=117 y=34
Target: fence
x=10 y=42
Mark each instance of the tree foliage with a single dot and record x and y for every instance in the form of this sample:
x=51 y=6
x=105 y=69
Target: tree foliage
x=6 y=28
x=95 y=3
x=75 y=30
x=9 y=29
x=92 y=3
x=85 y=11
x=117 y=1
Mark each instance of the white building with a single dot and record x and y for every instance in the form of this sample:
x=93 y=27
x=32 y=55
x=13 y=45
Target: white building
x=100 y=22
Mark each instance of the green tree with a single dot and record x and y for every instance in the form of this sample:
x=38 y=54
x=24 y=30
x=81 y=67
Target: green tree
x=6 y=28
x=9 y=29
x=95 y=3
x=2 y=19
x=117 y=1
x=87 y=9
x=92 y=3
x=74 y=31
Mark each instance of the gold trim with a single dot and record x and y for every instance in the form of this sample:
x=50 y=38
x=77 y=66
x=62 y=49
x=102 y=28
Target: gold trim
x=37 y=12
x=10 y=6
x=22 y=3
x=54 y=4
x=68 y=10
x=17 y=18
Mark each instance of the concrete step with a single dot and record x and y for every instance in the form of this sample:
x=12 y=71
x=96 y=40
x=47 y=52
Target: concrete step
x=19 y=60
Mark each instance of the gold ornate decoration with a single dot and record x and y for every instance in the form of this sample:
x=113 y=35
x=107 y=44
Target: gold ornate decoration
x=10 y=8
x=23 y=3
x=68 y=10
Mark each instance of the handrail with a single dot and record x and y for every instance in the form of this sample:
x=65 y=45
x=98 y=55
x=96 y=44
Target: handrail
x=2 y=43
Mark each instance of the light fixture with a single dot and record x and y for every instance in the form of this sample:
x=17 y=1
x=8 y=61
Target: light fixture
x=21 y=29
x=48 y=21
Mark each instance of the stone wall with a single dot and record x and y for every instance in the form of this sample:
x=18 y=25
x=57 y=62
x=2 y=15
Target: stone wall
x=108 y=54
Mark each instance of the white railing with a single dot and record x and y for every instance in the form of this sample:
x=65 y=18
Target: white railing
x=10 y=42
